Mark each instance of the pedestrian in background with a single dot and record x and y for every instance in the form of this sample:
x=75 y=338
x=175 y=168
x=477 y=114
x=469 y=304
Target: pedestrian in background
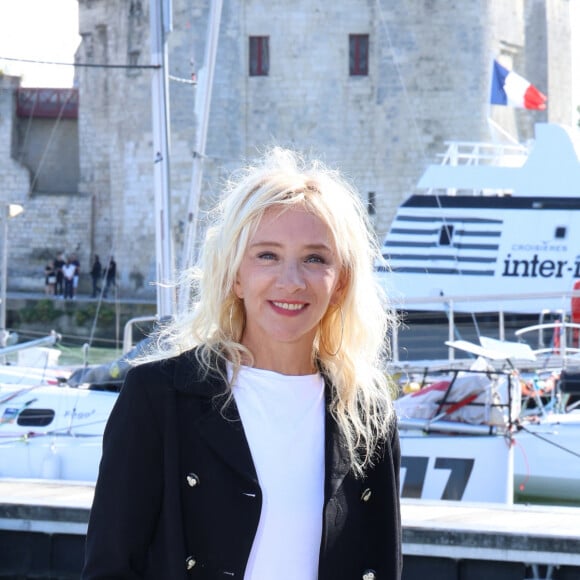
x=110 y=276
x=49 y=279
x=68 y=272
x=96 y=275
x=59 y=263
x=259 y=440
x=75 y=261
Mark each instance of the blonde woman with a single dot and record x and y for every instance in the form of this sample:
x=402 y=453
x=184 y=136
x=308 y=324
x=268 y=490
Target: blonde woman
x=259 y=441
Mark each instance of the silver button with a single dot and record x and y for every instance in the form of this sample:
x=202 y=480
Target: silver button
x=369 y=575
x=365 y=496
x=192 y=479
x=190 y=562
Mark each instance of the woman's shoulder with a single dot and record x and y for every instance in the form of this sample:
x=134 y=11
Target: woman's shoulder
x=183 y=372
x=165 y=366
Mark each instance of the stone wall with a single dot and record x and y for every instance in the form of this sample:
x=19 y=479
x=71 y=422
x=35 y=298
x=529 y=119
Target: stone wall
x=49 y=149
x=50 y=225
x=60 y=221
x=15 y=177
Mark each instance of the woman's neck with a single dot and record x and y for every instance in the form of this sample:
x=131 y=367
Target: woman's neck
x=285 y=359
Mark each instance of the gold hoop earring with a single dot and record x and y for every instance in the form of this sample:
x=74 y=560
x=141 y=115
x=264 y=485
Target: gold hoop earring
x=341 y=333
x=232 y=319
x=236 y=333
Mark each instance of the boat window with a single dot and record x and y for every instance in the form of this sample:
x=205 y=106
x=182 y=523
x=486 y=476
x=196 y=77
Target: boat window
x=560 y=232
x=446 y=235
x=35 y=417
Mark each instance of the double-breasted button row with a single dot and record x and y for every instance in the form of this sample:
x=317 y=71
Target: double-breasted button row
x=190 y=563
x=369 y=575
x=192 y=479
x=366 y=495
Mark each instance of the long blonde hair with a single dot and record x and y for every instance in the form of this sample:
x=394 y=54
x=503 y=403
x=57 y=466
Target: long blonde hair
x=351 y=346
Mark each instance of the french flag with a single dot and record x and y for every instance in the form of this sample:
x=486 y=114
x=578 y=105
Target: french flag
x=512 y=90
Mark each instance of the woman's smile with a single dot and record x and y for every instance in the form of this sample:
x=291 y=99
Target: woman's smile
x=289 y=307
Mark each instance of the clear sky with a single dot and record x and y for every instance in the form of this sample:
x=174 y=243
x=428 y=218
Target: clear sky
x=39 y=30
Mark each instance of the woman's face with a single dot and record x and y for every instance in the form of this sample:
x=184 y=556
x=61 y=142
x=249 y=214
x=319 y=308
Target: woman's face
x=289 y=275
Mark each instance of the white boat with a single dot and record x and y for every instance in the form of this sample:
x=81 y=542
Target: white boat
x=543 y=431
x=56 y=432
x=452 y=431
x=547 y=459
x=52 y=432
x=36 y=362
x=547 y=452
x=490 y=220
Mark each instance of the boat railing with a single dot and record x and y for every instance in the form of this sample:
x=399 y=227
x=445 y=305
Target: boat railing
x=430 y=322
x=472 y=154
x=478 y=402
x=481 y=153
x=50 y=340
x=130 y=325
x=561 y=330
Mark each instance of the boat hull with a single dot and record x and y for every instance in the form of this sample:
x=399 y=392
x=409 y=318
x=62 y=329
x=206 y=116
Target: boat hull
x=458 y=247
x=52 y=432
x=456 y=467
x=547 y=460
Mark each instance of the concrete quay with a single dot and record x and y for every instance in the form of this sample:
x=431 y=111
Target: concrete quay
x=43 y=523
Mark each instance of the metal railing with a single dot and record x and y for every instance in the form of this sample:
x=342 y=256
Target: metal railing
x=434 y=320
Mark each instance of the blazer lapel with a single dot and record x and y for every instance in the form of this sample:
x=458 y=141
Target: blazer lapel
x=337 y=463
x=201 y=402
x=225 y=435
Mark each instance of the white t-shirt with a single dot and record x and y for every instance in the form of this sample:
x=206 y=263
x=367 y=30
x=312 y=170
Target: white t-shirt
x=283 y=419
x=68 y=271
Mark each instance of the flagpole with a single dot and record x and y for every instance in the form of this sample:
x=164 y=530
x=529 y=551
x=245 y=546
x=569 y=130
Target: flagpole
x=503 y=131
x=492 y=124
x=489 y=85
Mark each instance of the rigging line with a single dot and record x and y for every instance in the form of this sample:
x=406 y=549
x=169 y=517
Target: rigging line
x=476 y=325
x=82 y=64
x=59 y=432
x=383 y=21
x=571 y=451
x=49 y=142
x=101 y=295
x=407 y=100
x=17 y=393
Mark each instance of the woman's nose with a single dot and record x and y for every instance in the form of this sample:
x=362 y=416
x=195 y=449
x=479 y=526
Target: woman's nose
x=291 y=276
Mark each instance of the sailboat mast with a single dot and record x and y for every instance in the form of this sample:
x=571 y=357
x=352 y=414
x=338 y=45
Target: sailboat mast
x=202 y=108
x=160 y=20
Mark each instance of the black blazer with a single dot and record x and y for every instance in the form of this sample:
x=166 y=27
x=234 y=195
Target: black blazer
x=177 y=495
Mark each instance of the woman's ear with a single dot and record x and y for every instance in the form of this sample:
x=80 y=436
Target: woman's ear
x=237 y=288
x=341 y=286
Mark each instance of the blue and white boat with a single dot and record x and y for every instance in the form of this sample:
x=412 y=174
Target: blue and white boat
x=490 y=220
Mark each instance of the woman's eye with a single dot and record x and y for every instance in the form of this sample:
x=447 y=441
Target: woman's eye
x=315 y=259
x=267 y=256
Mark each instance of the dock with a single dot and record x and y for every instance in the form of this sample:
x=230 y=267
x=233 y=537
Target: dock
x=43 y=524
